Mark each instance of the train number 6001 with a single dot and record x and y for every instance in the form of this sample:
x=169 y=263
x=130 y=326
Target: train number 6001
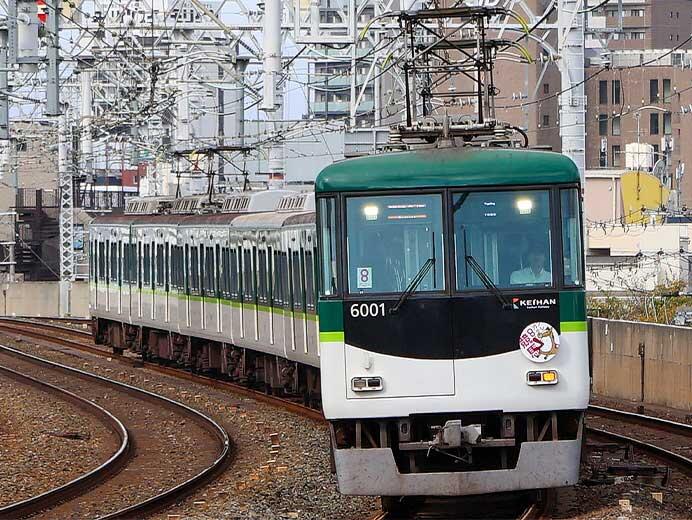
x=367 y=310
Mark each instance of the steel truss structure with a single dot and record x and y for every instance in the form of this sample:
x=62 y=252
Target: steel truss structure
x=170 y=81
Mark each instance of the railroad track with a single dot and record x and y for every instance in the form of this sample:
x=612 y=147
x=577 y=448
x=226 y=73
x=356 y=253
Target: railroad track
x=91 y=493
x=82 y=340
x=73 y=488
x=519 y=506
x=650 y=443
x=663 y=439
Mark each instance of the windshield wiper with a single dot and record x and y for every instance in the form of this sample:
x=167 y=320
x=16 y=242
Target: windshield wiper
x=487 y=281
x=425 y=268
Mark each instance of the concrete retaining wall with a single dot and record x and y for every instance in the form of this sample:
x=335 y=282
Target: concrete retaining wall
x=661 y=369
x=42 y=299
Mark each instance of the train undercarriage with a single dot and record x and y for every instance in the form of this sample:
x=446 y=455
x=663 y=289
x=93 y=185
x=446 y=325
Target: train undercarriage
x=269 y=373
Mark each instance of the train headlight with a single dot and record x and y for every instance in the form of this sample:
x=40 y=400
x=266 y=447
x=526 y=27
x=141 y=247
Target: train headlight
x=525 y=206
x=371 y=212
x=541 y=377
x=366 y=384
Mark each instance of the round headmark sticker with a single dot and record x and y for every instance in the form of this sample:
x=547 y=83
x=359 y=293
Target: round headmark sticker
x=539 y=342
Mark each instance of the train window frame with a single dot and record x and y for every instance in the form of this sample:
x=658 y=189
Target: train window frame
x=208 y=277
x=125 y=252
x=442 y=254
x=310 y=292
x=262 y=289
x=270 y=275
x=328 y=219
x=553 y=246
x=577 y=244
x=159 y=265
x=246 y=270
x=146 y=265
x=194 y=278
x=101 y=275
x=139 y=265
x=113 y=264
x=235 y=273
x=167 y=266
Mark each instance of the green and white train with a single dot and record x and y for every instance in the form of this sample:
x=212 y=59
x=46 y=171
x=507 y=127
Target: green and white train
x=432 y=301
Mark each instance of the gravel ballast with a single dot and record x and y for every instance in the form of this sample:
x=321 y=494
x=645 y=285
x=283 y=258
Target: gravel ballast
x=45 y=442
x=266 y=479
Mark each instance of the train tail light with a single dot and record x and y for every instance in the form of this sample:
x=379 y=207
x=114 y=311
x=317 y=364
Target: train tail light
x=541 y=377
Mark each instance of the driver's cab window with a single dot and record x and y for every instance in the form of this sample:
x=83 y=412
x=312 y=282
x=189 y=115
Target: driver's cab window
x=394 y=241
x=504 y=236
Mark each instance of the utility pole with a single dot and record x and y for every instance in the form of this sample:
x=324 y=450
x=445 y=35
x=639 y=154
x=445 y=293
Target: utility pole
x=4 y=99
x=65 y=177
x=53 y=72
x=573 y=100
x=272 y=102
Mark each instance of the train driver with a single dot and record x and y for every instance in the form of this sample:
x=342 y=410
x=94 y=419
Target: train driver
x=534 y=273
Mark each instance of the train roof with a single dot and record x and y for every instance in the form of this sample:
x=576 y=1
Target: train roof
x=449 y=167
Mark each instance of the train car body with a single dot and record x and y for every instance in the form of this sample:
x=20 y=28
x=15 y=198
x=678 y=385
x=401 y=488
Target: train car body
x=228 y=291
x=450 y=353
x=452 y=321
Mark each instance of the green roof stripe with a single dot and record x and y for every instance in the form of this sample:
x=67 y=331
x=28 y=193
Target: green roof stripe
x=447 y=168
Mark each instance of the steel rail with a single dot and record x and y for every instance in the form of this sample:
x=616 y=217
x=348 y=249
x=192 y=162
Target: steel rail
x=680 y=461
x=85 y=481
x=163 y=499
x=645 y=420
x=648 y=421
x=40 y=324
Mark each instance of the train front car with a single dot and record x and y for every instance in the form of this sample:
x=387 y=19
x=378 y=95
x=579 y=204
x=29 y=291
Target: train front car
x=452 y=321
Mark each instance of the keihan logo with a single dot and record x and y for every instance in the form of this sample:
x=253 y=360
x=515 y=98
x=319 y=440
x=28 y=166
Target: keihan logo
x=534 y=303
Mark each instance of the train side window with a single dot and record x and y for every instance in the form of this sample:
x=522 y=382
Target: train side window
x=270 y=276
x=160 y=269
x=202 y=281
x=309 y=281
x=146 y=266
x=327 y=235
x=101 y=261
x=187 y=269
x=194 y=270
x=92 y=257
x=209 y=273
x=247 y=275
x=233 y=275
x=139 y=264
x=114 y=262
x=254 y=273
x=285 y=280
x=166 y=266
x=178 y=268
x=571 y=237
x=297 y=280
x=262 y=275
x=217 y=272
x=125 y=249
x=278 y=284
x=223 y=272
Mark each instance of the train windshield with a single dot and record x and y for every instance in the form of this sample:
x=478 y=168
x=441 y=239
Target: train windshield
x=392 y=241
x=507 y=234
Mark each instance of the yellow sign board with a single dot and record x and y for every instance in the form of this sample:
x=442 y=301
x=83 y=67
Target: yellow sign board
x=642 y=193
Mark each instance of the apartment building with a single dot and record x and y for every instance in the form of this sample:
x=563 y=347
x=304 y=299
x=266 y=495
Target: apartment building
x=644 y=24
x=643 y=104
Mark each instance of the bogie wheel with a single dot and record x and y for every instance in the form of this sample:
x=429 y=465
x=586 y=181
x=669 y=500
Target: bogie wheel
x=394 y=505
